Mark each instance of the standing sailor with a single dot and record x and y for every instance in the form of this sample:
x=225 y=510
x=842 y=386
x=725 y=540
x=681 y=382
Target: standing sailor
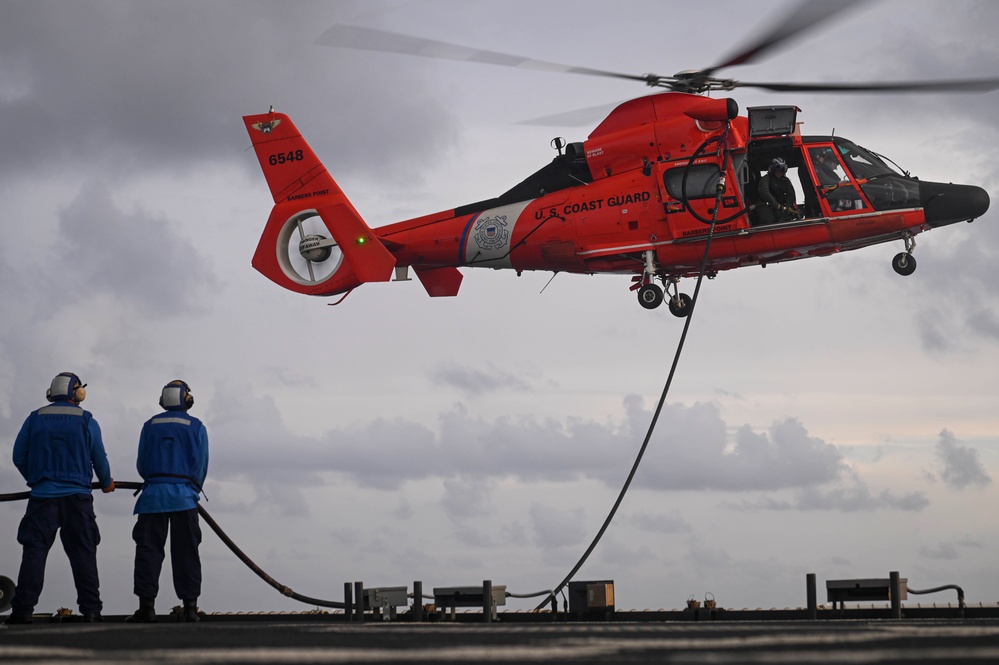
x=173 y=463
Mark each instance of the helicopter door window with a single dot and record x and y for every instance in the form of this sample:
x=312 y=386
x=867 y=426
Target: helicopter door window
x=834 y=185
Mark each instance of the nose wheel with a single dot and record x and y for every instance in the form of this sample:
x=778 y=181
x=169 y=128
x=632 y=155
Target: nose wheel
x=904 y=263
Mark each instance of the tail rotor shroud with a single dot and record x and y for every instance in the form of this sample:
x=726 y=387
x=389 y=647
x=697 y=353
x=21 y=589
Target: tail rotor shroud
x=305 y=251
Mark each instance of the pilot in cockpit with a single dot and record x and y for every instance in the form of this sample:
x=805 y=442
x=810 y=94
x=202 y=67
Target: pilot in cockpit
x=825 y=163
x=825 y=167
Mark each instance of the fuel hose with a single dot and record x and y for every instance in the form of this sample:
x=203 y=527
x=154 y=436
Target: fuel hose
x=713 y=221
x=285 y=591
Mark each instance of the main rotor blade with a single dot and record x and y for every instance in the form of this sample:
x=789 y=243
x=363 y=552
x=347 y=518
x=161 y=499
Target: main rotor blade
x=807 y=15
x=370 y=39
x=574 y=118
x=960 y=85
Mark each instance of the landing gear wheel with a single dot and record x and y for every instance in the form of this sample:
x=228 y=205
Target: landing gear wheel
x=680 y=305
x=904 y=263
x=650 y=296
x=6 y=593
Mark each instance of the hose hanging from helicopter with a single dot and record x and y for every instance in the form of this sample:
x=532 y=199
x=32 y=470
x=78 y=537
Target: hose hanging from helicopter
x=714 y=221
x=719 y=192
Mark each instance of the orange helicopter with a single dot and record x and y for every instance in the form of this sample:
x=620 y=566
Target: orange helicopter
x=658 y=179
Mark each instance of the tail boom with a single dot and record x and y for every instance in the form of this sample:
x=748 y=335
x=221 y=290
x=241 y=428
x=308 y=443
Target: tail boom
x=314 y=242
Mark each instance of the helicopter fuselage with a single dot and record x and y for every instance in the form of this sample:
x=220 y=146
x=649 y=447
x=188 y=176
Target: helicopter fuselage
x=640 y=197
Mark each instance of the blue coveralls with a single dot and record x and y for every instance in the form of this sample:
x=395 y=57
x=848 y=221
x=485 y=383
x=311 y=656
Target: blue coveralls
x=58 y=450
x=173 y=463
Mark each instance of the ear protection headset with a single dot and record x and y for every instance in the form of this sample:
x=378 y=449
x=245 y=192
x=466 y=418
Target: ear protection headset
x=66 y=386
x=176 y=396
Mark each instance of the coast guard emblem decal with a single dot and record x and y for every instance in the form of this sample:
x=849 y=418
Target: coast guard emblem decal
x=491 y=233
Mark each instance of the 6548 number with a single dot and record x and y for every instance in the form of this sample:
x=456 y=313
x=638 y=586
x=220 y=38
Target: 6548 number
x=286 y=157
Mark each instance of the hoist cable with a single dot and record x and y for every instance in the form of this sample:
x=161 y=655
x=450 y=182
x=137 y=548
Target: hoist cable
x=720 y=190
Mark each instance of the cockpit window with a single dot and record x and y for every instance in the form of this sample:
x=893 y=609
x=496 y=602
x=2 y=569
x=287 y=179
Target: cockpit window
x=885 y=188
x=862 y=163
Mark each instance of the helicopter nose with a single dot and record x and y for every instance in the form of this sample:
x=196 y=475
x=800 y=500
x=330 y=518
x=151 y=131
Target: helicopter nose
x=944 y=203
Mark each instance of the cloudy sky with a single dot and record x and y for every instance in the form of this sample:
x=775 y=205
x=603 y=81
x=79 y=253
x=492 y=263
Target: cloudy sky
x=828 y=416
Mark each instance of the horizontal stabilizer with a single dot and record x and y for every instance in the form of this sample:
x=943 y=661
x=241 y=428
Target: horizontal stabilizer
x=440 y=281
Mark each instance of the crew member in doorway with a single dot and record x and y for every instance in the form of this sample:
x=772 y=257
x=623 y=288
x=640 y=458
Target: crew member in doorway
x=58 y=451
x=776 y=195
x=173 y=463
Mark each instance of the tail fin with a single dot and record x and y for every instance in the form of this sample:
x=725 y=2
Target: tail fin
x=314 y=242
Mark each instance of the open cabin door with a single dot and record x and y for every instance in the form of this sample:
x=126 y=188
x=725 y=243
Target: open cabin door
x=689 y=193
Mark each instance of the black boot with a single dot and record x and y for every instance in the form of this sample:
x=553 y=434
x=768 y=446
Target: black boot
x=146 y=612
x=17 y=618
x=191 y=610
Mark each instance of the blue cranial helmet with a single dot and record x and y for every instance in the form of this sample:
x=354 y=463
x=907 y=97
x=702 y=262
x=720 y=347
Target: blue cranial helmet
x=778 y=164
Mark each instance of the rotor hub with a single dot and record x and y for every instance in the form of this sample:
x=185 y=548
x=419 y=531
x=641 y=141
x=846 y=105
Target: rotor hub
x=312 y=248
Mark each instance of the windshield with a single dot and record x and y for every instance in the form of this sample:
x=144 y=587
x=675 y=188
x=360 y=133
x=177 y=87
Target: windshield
x=862 y=163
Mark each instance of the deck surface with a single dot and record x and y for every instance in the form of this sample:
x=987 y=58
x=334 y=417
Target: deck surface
x=276 y=640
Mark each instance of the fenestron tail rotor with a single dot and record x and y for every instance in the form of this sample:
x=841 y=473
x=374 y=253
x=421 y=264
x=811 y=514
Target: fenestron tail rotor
x=305 y=251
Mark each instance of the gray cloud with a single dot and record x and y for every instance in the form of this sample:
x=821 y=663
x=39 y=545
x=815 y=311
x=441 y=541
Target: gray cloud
x=849 y=499
x=691 y=450
x=177 y=96
x=475 y=382
x=133 y=258
x=859 y=498
x=661 y=523
x=941 y=552
x=554 y=527
x=985 y=323
x=960 y=465
x=466 y=498
x=470 y=453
